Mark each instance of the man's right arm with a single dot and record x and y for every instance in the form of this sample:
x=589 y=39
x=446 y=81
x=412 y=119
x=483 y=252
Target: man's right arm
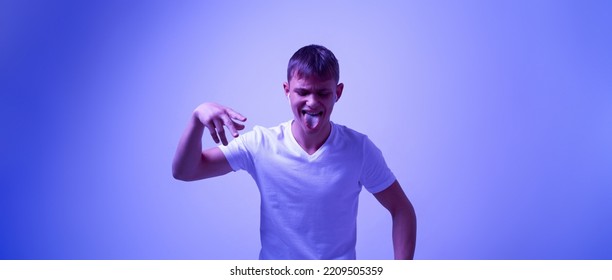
x=190 y=162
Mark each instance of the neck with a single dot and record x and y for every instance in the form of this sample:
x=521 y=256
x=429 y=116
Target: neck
x=311 y=142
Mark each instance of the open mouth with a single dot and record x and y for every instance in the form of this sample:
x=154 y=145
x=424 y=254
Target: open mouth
x=312 y=118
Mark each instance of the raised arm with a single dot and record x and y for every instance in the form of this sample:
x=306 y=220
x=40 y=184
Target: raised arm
x=404 y=220
x=190 y=162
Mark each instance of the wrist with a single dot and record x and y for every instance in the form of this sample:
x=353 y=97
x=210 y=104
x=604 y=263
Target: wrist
x=195 y=120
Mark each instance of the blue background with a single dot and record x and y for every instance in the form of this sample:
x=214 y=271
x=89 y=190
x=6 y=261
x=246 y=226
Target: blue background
x=496 y=117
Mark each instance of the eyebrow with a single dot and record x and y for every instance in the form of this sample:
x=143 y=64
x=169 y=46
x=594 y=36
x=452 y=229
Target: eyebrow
x=305 y=90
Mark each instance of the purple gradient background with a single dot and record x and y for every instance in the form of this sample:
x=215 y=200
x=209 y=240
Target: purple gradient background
x=496 y=117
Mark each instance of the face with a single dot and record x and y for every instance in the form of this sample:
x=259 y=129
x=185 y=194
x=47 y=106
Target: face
x=312 y=100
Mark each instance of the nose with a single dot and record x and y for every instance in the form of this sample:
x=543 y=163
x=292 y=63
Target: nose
x=311 y=99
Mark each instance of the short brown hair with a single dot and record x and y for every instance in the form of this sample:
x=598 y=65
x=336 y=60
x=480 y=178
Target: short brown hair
x=313 y=60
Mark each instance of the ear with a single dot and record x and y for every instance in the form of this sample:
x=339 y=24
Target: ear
x=286 y=88
x=339 y=89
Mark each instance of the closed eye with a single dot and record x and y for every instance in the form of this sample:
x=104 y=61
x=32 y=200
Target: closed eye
x=301 y=92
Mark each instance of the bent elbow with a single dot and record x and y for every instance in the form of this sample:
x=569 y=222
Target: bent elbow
x=182 y=177
x=180 y=174
x=177 y=175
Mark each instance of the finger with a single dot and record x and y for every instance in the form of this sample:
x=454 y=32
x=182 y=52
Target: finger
x=213 y=131
x=239 y=126
x=235 y=115
x=220 y=131
x=230 y=124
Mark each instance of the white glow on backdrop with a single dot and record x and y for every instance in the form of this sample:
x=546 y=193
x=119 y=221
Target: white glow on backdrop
x=496 y=117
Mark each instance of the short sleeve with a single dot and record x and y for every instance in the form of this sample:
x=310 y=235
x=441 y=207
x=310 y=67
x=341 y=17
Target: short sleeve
x=237 y=151
x=375 y=174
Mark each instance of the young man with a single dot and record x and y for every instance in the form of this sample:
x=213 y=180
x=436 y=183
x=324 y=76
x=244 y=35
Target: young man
x=309 y=170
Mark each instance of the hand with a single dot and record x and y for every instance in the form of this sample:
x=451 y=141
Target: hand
x=215 y=116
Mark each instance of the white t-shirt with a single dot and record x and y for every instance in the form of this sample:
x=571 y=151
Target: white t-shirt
x=309 y=202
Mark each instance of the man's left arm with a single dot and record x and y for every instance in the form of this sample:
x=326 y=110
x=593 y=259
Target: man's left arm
x=404 y=220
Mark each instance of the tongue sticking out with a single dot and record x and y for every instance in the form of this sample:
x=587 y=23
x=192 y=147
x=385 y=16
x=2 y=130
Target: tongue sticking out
x=312 y=121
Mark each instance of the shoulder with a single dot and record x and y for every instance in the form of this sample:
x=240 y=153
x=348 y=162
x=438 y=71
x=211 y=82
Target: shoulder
x=261 y=135
x=348 y=134
x=278 y=131
x=355 y=139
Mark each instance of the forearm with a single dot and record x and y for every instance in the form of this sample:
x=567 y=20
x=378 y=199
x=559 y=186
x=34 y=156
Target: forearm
x=188 y=154
x=404 y=233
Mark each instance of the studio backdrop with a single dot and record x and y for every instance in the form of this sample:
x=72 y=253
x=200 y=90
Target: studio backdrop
x=495 y=116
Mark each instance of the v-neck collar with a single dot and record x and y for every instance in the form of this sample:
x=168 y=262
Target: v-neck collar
x=301 y=150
